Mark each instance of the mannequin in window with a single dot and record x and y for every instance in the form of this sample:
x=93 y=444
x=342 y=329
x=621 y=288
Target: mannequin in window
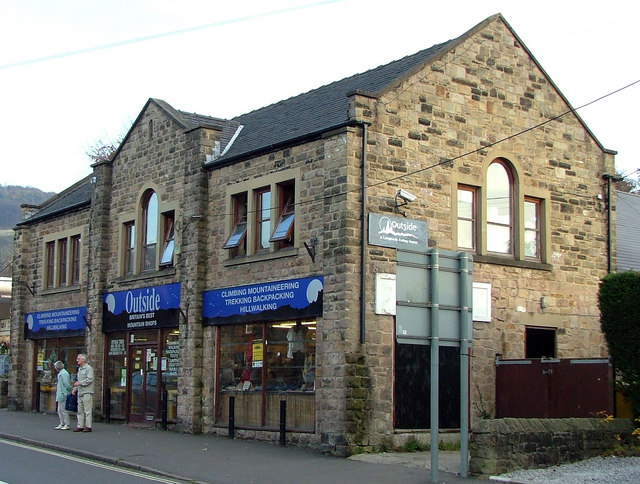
x=296 y=336
x=227 y=378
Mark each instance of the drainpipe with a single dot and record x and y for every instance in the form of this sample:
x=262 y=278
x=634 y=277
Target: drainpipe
x=363 y=233
x=609 y=179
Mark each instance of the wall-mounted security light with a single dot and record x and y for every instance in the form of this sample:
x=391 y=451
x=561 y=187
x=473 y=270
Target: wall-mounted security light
x=405 y=197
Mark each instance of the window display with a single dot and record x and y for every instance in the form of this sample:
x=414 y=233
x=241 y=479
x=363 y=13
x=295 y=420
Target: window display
x=116 y=376
x=268 y=362
x=169 y=367
x=48 y=351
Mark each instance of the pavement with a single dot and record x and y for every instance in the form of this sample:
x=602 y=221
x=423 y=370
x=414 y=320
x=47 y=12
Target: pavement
x=219 y=460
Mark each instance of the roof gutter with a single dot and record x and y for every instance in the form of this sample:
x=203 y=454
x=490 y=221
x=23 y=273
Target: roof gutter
x=610 y=178
x=37 y=218
x=218 y=163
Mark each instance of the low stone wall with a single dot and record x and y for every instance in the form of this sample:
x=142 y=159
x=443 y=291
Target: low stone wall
x=502 y=445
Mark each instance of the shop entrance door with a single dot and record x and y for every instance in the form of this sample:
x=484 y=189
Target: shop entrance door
x=143 y=384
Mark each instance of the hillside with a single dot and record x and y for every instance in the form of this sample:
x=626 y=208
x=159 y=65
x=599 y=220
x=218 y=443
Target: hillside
x=11 y=197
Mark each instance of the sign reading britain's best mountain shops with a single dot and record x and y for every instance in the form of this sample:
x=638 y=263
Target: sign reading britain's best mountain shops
x=144 y=308
x=269 y=301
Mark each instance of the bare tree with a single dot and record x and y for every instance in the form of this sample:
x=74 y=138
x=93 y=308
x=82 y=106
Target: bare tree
x=628 y=183
x=102 y=150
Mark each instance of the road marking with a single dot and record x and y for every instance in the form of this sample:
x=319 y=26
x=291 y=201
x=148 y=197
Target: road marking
x=89 y=462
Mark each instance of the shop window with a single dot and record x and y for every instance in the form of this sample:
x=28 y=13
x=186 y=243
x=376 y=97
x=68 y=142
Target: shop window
x=467 y=218
x=116 y=374
x=540 y=342
x=50 y=264
x=129 y=247
x=263 y=219
x=499 y=214
x=283 y=233
x=170 y=365
x=168 y=230
x=150 y=226
x=76 y=242
x=268 y=362
x=48 y=351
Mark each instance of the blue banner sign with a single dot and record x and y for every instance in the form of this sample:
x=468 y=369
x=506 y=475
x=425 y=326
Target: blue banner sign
x=269 y=301
x=143 y=308
x=55 y=323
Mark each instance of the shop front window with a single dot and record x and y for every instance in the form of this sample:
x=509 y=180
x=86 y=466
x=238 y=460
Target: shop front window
x=116 y=377
x=263 y=364
x=48 y=351
x=170 y=365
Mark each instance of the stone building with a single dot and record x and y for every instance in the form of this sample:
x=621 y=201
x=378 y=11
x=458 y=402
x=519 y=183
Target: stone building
x=218 y=262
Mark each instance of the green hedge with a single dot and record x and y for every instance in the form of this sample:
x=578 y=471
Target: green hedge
x=619 y=301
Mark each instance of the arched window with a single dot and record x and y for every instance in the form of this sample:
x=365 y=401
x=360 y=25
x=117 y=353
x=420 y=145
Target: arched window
x=499 y=209
x=150 y=225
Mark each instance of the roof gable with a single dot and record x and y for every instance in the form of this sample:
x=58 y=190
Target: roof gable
x=187 y=122
x=326 y=107
x=320 y=109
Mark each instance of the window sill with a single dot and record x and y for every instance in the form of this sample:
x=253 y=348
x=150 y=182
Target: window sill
x=505 y=261
x=60 y=290
x=250 y=259
x=144 y=276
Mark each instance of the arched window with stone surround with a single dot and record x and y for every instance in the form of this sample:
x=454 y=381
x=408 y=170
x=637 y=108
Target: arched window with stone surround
x=499 y=208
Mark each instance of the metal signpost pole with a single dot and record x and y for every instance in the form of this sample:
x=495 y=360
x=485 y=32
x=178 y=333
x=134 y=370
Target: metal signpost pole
x=435 y=364
x=465 y=324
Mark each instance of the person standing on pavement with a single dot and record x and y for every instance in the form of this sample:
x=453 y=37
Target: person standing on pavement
x=84 y=389
x=63 y=388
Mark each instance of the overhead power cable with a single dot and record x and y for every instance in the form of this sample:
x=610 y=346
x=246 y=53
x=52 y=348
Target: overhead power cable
x=468 y=153
x=161 y=35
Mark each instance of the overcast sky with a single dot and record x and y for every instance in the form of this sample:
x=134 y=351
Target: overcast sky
x=73 y=72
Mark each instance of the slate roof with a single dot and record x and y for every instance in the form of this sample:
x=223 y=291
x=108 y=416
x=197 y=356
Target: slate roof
x=318 y=110
x=74 y=197
x=627 y=231
x=292 y=120
x=191 y=121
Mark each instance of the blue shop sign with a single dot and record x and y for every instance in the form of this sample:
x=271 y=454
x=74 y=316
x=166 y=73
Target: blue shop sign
x=56 y=323
x=269 y=301
x=143 y=308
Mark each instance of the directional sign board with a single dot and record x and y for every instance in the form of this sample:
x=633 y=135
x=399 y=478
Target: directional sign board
x=424 y=296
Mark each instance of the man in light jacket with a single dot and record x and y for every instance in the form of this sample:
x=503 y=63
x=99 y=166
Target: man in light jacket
x=63 y=388
x=84 y=389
